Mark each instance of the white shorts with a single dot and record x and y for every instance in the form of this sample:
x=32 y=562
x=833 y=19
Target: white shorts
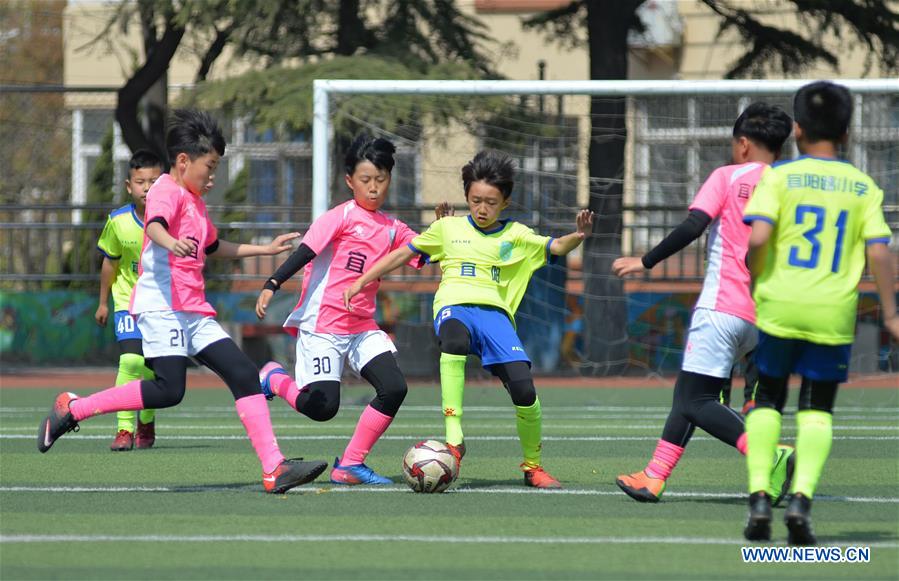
x=321 y=356
x=167 y=333
x=716 y=341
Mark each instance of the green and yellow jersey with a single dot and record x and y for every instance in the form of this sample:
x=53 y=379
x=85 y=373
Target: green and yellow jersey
x=824 y=212
x=122 y=240
x=482 y=267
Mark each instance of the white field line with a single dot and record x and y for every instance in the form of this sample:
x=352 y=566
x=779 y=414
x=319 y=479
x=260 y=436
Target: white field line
x=489 y=408
x=475 y=539
x=403 y=490
x=301 y=426
x=180 y=437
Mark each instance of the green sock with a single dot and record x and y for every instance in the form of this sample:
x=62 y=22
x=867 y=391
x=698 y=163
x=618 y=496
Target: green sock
x=814 y=436
x=529 y=423
x=131 y=367
x=452 y=386
x=147 y=416
x=762 y=435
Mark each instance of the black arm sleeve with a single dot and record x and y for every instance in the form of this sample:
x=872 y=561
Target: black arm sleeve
x=291 y=266
x=688 y=231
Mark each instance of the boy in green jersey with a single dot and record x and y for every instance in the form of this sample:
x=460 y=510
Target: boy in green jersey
x=121 y=243
x=814 y=220
x=486 y=264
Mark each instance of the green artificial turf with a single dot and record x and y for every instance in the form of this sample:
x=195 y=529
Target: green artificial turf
x=193 y=507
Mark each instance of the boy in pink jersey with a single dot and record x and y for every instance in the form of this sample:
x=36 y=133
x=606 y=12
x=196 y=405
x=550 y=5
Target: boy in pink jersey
x=722 y=329
x=175 y=320
x=339 y=246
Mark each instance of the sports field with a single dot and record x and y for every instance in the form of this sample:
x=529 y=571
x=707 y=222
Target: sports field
x=193 y=507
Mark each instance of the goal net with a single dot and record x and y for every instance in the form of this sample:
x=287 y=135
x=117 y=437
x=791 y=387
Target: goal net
x=656 y=143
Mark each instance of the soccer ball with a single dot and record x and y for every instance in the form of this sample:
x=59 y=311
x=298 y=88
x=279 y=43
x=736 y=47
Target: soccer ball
x=429 y=466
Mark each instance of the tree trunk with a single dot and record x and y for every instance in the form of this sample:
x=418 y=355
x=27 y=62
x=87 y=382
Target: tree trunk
x=606 y=309
x=159 y=55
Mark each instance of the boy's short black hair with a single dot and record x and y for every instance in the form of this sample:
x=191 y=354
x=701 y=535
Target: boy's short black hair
x=195 y=133
x=493 y=167
x=823 y=110
x=144 y=158
x=377 y=150
x=765 y=125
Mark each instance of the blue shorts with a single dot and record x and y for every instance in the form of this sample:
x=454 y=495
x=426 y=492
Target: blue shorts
x=778 y=357
x=493 y=338
x=125 y=327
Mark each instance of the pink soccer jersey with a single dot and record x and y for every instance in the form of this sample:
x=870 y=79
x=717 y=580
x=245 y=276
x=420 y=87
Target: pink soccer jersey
x=167 y=282
x=346 y=240
x=723 y=197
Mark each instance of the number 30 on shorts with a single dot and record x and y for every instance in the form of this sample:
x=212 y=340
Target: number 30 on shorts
x=321 y=365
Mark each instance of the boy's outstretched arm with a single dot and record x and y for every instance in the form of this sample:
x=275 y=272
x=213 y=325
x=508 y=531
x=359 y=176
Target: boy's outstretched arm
x=280 y=244
x=688 y=231
x=565 y=244
x=389 y=263
x=880 y=261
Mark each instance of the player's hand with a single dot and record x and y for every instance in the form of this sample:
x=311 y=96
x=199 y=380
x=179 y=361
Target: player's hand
x=584 y=222
x=892 y=325
x=262 y=302
x=282 y=243
x=349 y=293
x=184 y=247
x=102 y=315
x=628 y=265
x=444 y=209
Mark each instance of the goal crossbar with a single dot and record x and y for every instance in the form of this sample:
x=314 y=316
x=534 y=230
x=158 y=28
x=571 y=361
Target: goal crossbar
x=323 y=88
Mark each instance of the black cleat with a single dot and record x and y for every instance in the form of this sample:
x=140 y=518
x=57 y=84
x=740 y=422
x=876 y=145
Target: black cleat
x=291 y=473
x=758 y=525
x=57 y=423
x=799 y=521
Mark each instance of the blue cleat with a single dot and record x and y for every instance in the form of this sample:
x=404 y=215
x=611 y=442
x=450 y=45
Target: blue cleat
x=356 y=474
x=265 y=376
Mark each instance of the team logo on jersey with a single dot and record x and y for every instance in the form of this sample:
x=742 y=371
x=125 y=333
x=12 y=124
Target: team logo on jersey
x=359 y=231
x=505 y=250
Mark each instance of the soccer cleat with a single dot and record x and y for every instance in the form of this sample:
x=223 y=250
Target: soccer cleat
x=641 y=486
x=458 y=452
x=356 y=474
x=123 y=442
x=799 y=521
x=539 y=478
x=781 y=473
x=265 y=376
x=758 y=525
x=57 y=423
x=291 y=473
x=145 y=436
x=748 y=405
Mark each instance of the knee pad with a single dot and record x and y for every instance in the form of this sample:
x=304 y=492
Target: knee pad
x=771 y=392
x=817 y=395
x=320 y=400
x=523 y=392
x=454 y=338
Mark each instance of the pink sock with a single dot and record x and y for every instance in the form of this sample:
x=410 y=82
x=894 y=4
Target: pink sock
x=741 y=443
x=120 y=398
x=664 y=459
x=286 y=388
x=372 y=424
x=253 y=412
